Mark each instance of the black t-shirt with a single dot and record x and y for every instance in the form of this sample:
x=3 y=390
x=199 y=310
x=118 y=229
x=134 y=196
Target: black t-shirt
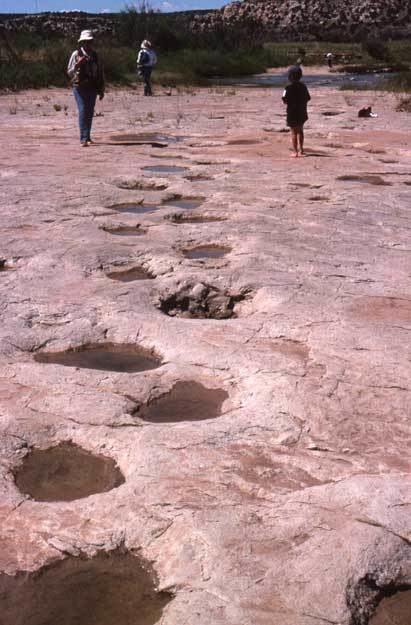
x=296 y=96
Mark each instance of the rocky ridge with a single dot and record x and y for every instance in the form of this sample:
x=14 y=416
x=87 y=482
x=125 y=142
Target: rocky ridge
x=68 y=24
x=318 y=19
x=288 y=19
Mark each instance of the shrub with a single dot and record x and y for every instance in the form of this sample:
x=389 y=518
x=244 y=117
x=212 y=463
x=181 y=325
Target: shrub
x=404 y=105
x=400 y=83
x=119 y=63
x=196 y=65
x=377 y=50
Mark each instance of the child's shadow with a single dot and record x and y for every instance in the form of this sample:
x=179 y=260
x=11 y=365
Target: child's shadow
x=318 y=153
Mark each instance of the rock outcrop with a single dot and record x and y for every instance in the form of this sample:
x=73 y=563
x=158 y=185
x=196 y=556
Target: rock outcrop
x=318 y=19
x=337 y=20
x=66 y=24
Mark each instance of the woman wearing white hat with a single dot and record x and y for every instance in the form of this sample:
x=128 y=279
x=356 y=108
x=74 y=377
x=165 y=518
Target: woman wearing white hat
x=87 y=78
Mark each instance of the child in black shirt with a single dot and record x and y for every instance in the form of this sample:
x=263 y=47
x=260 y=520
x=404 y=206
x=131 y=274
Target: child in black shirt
x=296 y=96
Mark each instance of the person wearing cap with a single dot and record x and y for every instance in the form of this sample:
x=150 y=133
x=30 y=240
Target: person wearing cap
x=87 y=78
x=146 y=60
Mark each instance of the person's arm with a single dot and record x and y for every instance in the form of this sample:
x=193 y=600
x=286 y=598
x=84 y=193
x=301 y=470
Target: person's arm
x=72 y=64
x=140 y=57
x=308 y=97
x=285 y=96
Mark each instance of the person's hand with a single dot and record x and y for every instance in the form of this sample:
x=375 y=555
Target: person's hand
x=101 y=96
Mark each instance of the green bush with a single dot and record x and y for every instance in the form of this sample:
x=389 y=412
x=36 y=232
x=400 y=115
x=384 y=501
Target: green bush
x=400 y=82
x=135 y=24
x=400 y=51
x=197 y=65
x=33 y=62
x=119 y=63
x=404 y=105
x=377 y=49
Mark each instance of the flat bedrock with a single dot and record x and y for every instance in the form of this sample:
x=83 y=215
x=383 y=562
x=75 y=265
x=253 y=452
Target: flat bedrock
x=251 y=412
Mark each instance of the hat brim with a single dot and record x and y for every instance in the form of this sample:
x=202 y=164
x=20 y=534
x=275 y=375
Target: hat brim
x=85 y=39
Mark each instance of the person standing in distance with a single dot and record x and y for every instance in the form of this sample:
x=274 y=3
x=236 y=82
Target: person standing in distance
x=87 y=79
x=146 y=60
x=296 y=97
x=330 y=58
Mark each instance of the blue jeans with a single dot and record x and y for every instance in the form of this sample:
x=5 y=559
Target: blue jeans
x=145 y=75
x=86 y=100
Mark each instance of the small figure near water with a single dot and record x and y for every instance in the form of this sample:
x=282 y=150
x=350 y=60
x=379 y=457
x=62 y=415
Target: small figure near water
x=146 y=60
x=330 y=59
x=366 y=112
x=87 y=78
x=296 y=97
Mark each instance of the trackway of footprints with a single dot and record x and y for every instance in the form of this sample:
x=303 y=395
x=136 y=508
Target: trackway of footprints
x=112 y=587
x=103 y=588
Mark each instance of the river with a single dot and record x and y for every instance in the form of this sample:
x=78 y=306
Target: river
x=366 y=80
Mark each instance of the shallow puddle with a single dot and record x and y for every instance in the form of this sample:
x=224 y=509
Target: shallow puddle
x=65 y=473
x=133 y=184
x=136 y=209
x=185 y=203
x=207 y=251
x=187 y=401
x=130 y=275
x=319 y=198
x=164 y=169
x=180 y=218
x=112 y=588
x=367 y=178
x=168 y=156
x=243 y=142
x=143 y=137
x=395 y=610
x=195 y=177
x=125 y=231
x=103 y=357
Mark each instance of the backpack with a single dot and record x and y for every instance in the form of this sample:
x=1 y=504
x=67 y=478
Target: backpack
x=143 y=57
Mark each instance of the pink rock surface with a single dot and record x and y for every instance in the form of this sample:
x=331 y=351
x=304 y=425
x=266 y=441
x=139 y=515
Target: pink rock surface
x=287 y=499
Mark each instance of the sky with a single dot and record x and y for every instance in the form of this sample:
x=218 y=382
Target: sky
x=99 y=6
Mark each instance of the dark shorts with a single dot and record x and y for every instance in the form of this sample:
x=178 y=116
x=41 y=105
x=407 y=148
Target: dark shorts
x=296 y=120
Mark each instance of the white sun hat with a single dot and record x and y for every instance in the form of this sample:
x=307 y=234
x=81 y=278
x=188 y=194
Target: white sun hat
x=86 y=35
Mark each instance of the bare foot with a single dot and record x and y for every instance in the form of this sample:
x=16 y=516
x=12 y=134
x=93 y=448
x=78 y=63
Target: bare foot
x=295 y=155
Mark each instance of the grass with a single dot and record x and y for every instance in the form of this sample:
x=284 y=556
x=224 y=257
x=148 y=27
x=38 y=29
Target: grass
x=313 y=52
x=29 y=60
x=400 y=83
x=195 y=66
x=32 y=62
x=404 y=105
x=397 y=53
